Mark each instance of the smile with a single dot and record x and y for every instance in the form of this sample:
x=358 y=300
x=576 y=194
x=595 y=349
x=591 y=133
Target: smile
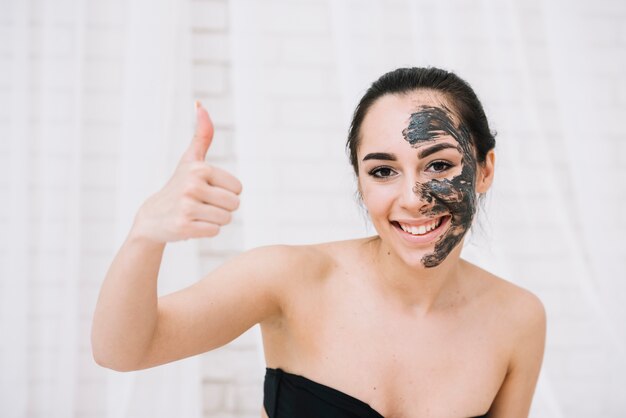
x=421 y=232
x=421 y=229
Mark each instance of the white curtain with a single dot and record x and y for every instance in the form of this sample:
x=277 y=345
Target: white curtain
x=96 y=107
x=95 y=110
x=550 y=75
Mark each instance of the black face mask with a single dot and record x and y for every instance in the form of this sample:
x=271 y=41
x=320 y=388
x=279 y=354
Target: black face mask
x=455 y=197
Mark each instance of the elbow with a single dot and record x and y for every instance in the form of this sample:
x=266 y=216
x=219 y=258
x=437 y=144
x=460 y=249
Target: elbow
x=106 y=357
x=112 y=363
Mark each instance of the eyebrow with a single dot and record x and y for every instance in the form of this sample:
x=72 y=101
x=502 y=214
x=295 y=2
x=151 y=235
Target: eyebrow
x=423 y=153
x=380 y=156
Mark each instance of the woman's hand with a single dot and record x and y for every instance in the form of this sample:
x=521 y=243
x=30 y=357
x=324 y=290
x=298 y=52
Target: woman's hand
x=196 y=201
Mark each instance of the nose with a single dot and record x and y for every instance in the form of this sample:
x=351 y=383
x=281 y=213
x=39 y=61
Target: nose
x=415 y=196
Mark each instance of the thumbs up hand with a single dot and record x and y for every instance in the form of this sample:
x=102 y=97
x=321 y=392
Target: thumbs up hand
x=196 y=201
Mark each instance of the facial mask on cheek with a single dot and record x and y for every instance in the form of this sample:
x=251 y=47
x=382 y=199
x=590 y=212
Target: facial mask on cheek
x=455 y=197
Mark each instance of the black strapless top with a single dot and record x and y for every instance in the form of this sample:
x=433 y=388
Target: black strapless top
x=288 y=395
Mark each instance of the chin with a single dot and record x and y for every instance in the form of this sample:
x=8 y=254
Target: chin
x=416 y=247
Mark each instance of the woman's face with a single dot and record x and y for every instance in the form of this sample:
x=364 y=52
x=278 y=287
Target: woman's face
x=418 y=175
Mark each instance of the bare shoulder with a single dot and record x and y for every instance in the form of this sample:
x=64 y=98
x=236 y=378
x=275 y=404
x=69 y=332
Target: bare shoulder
x=519 y=306
x=521 y=321
x=296 y=266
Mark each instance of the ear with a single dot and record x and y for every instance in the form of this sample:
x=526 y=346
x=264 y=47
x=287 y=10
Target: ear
x=484 y=177
x=358 y=188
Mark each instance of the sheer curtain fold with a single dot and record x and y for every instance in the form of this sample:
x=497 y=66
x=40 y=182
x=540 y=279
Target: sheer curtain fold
x=157 y=109
x=15 y=267
x=55 y=97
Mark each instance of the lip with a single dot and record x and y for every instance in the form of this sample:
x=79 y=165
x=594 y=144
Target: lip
x=428 y=237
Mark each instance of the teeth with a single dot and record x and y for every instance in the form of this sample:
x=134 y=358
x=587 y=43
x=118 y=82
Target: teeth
x=422 y=229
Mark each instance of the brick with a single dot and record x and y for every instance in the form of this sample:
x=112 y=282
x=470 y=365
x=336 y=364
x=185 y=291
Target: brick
x=54 y=74
x=211 y=261
x=53 y=40
x=225 y=364
x=532 y=27
x=223 y=146
x=248 y=341
x=63 y=12
x=573 y=335
x=103 y=76
x=91 y=400
x=209 y=15
x=622 y=31
x=100 y=139
x=314 y=177
x=106 y=236
x=249 y=397
x=98 y=204
x=105 y=42
x=322 y=113
x=5 y=107
x=220 y=108
x=255 y=50
x=606 y=8
x=289 y=18
x=99 y=172
x=7 y=43
x=6 y=77
x=112 y=12
x=621 y=93
x=102 y=107
x=602 y=61
x=210 y=79
x=302 y=83
x=230 y=239
x=214 y=396
x=312 y=144
x=306 y=49
x=213 y=47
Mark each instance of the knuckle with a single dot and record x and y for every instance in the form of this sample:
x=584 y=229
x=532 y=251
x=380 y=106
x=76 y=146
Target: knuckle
x=180 y=224
x=201 y=169
x=189 y=188
x=213 y=230
x=186 y=210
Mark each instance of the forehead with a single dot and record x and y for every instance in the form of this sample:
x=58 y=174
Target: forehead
x=390 y=115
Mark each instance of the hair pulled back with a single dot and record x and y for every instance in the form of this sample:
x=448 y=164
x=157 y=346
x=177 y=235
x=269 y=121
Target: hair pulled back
x=456 y=90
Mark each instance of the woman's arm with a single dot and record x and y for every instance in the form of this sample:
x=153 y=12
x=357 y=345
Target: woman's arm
x=516 y=393
x=131 y=327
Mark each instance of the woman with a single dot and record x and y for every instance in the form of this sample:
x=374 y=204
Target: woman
x=394 y=325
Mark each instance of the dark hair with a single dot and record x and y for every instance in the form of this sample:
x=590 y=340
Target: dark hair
x=456 y=90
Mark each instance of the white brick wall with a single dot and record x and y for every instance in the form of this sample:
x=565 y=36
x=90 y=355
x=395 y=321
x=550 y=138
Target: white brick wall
x=232 y=375
x=302 y=191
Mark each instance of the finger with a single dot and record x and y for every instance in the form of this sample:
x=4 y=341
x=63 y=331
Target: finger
x=201 y=229
x=202 y=138
x=219 y=197
x=211 y=214
x=217 y=177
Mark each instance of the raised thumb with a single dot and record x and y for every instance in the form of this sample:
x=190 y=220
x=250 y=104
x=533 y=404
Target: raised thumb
x=202 y=138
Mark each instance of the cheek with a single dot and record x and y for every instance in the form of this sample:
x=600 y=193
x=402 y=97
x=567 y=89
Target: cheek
x=377 y=199
x=454 y=196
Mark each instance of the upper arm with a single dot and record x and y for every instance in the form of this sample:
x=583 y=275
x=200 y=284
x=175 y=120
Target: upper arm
x=225 y=303
x=516 y=392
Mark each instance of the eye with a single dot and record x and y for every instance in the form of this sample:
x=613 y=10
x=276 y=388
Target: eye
x=382 y=172
x=439 y=166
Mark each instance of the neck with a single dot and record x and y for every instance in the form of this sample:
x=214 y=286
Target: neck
x=417 y=288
